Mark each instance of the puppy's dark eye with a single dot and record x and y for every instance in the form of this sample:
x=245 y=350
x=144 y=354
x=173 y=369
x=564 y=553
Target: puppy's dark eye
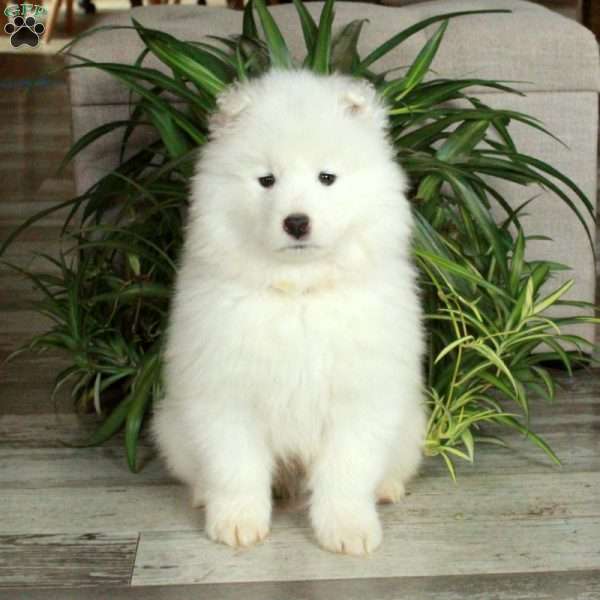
x=327 y=178
x=267 y=181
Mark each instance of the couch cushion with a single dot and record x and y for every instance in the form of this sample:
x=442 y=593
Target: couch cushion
x=533 y=44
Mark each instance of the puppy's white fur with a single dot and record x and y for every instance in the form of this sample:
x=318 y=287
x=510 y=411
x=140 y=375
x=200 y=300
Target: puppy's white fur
x=310 y=354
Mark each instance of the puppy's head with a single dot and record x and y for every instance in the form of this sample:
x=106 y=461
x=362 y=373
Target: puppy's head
x=299 y=169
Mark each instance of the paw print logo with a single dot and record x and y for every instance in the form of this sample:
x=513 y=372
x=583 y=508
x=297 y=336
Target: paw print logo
x=24 y=31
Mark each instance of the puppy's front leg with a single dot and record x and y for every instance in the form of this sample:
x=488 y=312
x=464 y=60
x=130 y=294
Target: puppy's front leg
x=238 y=483
x=343 y=481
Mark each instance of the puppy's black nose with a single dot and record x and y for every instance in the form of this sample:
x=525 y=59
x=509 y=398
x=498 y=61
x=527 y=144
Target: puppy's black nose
x=297 y=225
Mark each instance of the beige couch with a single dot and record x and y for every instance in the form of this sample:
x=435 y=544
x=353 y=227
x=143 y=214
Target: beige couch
x=555 y=58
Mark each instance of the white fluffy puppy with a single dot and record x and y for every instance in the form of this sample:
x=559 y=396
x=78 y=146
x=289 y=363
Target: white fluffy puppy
x=296 y=332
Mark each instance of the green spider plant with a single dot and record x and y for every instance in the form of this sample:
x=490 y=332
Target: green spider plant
x=486 y=305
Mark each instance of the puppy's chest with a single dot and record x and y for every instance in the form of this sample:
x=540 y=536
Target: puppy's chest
x=307 y=335
x=296 y=353
x=296 y=350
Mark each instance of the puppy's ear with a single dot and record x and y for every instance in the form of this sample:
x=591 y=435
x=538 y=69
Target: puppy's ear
x=360 y=99
x=230 y=105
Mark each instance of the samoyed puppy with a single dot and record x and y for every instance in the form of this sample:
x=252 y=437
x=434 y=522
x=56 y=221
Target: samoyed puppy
x=295 y=334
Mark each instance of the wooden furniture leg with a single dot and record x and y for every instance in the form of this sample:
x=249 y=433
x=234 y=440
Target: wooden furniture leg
x=3 y=19
x=52 y=17
x=590 y=11
x=69 y=17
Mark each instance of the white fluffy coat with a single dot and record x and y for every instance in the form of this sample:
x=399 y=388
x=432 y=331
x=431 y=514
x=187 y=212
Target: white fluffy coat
x=280 y=353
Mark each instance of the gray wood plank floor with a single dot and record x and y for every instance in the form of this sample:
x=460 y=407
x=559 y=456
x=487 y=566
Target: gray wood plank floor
x=75 y=523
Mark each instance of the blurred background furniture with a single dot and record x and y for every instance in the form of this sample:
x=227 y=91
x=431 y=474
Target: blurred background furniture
x=575 y=9
x=556 y=56
x=88 y=7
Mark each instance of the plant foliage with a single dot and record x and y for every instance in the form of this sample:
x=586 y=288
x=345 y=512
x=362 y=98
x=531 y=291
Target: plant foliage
x=486 y=305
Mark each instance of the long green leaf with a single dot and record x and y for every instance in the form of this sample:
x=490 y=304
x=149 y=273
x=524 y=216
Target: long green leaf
x=205 y=70
x=344 y=53
x=110 y=426
x=278 y=50
x=462 y=140
x=321 y=58
x=481 y=217
x=537 y=440
x=174 y=140
x=85 y=140
x=134 y=291
x=249 y=28
x=141 y=395
x=516 y=263
x=459 y=270
x=419 y=67
x=546 y=168
x=309 y=27
x=397 y=39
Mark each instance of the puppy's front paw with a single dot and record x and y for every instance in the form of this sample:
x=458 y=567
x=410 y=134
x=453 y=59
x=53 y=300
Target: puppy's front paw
x=238 y=532
x=349 y=532
x=390 y=491
x=241 y=527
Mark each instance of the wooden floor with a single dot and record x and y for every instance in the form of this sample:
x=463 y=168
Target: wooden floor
x=75 y=524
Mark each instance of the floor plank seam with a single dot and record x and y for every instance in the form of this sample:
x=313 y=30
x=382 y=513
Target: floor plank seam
x=134 y=562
